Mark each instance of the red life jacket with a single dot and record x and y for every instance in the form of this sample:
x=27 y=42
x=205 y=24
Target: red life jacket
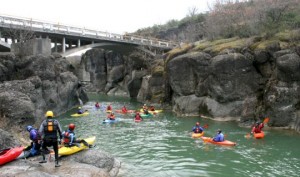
x=67 y=138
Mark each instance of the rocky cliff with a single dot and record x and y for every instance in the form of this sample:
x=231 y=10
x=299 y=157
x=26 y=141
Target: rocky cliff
x=29 y=87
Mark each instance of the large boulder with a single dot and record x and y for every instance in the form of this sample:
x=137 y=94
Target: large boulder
x=188 y=72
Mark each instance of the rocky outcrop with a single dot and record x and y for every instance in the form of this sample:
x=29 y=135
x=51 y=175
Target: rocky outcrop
x=90 y=162
x=32 y=85
x=111 y=73
x=238 y=86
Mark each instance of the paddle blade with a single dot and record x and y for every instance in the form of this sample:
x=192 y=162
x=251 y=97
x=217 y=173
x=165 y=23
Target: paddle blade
x=248 y=136
x=205 y=126
x=266 y=120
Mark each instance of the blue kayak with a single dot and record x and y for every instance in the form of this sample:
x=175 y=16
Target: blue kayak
x=108 y=121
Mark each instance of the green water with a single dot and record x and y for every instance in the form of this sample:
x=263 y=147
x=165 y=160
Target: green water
x=162 y=146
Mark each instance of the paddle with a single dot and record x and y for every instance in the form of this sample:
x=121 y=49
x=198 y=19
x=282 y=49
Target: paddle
x=205 y=126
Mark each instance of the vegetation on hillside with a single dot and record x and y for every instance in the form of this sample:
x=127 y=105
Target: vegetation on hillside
x=231 y=18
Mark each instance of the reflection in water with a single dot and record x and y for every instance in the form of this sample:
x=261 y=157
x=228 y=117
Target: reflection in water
x=162 y=145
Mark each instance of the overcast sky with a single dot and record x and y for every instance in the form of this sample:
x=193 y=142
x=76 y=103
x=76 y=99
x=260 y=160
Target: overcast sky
x=116 y=16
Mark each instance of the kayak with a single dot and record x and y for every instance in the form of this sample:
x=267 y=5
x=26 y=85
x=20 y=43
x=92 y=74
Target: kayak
x=140 y=120
x=71 y=150
x=10 y=154
x=259 y=135
x=108 y=121
x=128 y=111
x=223 y=143
x=80 y=115
x=153 y=112
x=197 y=135
x=146 y=115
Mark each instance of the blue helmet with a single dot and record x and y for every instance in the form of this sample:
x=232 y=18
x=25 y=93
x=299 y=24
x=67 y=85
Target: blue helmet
x=29 y=127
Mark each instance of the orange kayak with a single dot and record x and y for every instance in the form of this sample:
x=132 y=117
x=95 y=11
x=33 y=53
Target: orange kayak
x=259 y=135
x=223 y=143
x=128 y=111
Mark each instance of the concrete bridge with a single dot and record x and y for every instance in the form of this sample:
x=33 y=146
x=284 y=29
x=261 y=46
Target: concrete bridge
x=69 y=39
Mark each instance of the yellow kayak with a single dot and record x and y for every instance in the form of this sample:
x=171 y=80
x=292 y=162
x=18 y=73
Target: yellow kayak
x=80 y=115
x=71 y=150
x=197 y=135
x=153 y=112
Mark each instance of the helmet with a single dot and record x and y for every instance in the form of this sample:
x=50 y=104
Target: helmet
x=49 y=114
x=197 y=123
x=71 y=126
x=29 y=127
x=219 y=131
x=257 y=123
x=79 y=107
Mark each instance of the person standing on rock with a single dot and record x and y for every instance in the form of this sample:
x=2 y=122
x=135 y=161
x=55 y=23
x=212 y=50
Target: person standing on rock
x=49 y=130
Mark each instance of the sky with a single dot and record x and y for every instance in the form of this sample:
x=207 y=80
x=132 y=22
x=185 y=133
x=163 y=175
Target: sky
x=114 y=16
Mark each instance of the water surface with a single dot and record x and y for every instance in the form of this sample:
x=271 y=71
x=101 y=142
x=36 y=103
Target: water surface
x=162 y=146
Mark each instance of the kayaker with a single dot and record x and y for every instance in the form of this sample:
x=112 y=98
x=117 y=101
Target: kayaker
x=124 y=109
x=152 y=108
x=49 y=130
x=69 y=138
x=138 y=117
x=35 y=145
x=219 y=136
x=257 y=128
x=80 y=111
x=97 y=105
x=111 y=116
x=109 y=108
x=198 y=128
x=145 y=107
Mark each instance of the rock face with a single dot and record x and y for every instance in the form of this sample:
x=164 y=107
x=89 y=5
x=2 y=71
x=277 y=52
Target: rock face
x=30 y=86
x=86 y=163
x=238 y=86
x=112 y=73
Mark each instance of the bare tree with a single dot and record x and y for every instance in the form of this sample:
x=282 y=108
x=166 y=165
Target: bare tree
x=20 y=34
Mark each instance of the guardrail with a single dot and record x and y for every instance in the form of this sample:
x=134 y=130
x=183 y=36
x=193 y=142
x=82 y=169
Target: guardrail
x=46 y=27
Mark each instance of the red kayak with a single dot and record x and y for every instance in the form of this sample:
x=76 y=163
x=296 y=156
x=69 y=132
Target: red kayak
x=10 y=154
x=259 y=135
x=128 y=111
x=138 y=120
x=222 y=143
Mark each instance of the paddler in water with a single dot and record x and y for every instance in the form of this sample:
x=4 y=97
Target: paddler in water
x=137 y=117
x=111 y=116
x=197 y=128
x=124 y=109
x=219 y=136
x=257 y=128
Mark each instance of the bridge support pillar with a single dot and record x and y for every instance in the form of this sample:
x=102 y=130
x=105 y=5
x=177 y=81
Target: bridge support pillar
x=55 y=46
x=64 y=45
x=78 y=43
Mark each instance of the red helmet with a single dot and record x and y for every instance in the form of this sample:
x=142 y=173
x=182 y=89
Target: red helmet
x=197 y=123
x=71 y=126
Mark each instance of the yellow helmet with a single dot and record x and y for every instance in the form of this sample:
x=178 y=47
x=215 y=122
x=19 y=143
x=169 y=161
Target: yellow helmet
x=49 y=114
x=79 y=107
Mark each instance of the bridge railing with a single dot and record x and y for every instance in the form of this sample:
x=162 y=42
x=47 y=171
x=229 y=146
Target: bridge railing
x=36 y=25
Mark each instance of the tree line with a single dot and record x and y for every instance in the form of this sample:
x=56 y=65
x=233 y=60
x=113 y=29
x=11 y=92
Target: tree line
x=231 y=18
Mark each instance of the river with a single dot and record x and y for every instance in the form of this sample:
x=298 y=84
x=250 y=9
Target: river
x=162 y=146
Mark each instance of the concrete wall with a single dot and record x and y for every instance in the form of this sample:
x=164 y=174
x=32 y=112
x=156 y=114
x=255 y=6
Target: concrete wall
x=32 y=47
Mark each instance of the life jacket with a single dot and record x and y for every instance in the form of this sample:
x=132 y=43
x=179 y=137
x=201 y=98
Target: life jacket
x=138 y=117
x=50 y=129
x=67 y=137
